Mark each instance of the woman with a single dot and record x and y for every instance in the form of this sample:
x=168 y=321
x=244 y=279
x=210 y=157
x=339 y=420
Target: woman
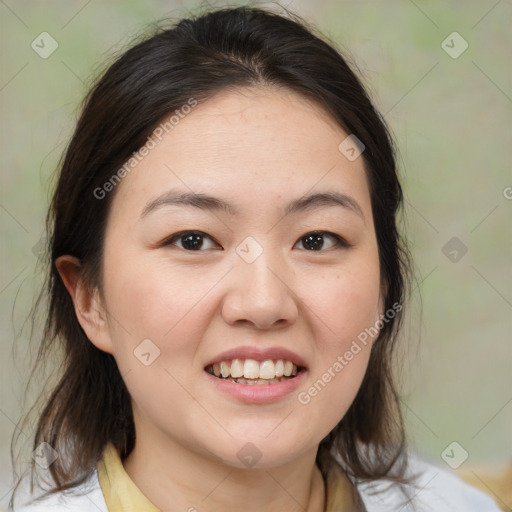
x=227 y=282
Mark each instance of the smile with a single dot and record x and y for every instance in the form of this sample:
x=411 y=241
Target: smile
x=252 y=372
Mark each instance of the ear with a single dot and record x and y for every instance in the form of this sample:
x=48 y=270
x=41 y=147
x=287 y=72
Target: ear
x=87 y=302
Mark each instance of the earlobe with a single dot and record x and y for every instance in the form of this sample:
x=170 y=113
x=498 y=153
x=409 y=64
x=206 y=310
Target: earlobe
x=87 y=303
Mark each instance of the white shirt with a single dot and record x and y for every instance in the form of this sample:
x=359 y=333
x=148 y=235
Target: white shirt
x=439 y=491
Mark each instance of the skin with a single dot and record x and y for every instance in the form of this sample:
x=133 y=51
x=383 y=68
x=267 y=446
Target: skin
x=258 y=148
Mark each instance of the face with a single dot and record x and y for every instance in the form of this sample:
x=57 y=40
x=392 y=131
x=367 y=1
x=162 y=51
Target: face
x=270 y=277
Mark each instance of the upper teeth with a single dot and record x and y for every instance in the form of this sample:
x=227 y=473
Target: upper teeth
x=252 y=369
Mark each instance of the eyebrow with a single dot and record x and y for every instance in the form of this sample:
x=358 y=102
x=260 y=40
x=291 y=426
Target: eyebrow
x=210 y=203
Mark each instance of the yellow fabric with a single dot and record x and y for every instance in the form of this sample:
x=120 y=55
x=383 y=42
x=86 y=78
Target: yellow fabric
x=122 y=495
x=339 y=492
x=120 y=492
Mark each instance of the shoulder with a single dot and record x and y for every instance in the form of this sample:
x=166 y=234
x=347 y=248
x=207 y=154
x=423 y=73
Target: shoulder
x=436 y=490
x=86 y=497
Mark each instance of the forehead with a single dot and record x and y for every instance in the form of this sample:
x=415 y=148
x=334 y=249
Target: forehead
x=253 y=145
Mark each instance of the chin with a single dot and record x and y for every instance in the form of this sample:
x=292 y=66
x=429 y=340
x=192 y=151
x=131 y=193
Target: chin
x=255 y=452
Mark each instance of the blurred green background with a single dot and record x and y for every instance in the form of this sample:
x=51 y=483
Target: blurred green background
x=449 y=108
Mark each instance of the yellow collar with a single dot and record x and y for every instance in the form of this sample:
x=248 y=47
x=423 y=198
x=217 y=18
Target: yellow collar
x=122 y=495
x=120 y=492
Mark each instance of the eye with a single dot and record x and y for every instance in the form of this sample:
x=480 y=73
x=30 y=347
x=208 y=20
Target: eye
x=315 y=241
x=192 y=241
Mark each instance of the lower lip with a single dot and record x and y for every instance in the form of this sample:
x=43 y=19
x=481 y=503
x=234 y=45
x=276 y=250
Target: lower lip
x=257 y=393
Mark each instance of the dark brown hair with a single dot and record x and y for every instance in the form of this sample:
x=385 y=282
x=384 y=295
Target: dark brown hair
x=198 y=57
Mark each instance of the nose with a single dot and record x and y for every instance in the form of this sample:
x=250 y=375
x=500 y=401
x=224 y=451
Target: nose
x=261 y=293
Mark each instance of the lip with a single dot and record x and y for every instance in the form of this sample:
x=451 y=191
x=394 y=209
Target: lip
x=257 y=393
x=259 y=354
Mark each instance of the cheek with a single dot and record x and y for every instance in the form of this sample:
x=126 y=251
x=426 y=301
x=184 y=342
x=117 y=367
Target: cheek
x=346 y=310
x=155 y=303
x=156 y=333
x=348 y=307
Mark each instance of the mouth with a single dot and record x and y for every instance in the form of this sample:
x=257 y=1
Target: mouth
x=253 y=373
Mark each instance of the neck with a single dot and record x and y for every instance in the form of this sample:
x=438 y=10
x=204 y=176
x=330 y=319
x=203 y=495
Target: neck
x=175 y=478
